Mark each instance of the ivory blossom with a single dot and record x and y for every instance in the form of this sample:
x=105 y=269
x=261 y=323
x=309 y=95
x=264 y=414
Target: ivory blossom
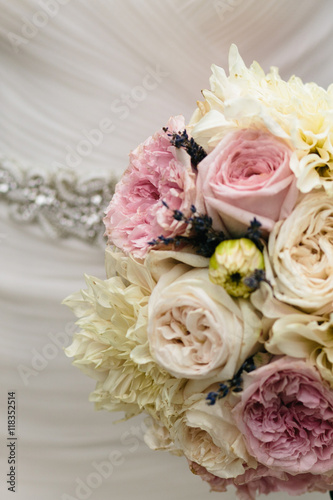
x=112 y=345
x=208 y=436
x=298 y=112
x=196 y=330
x=300 y=249
x=304 y=336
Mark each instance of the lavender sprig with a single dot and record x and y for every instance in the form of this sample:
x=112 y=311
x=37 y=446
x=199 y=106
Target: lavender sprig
x=253 y=233
x=202 y=236
x=255 y=279
x=181 y=140
x=233 y=385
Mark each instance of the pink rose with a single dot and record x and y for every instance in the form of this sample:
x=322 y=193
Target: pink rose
x=157 y=172
x=286 y=417
x=247 y=175
x=262 y=481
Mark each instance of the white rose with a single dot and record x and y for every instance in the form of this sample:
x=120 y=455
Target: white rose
x=147 y=273
x=196 y=330
x=300 y=248
x=304 y=336
x=208 y=436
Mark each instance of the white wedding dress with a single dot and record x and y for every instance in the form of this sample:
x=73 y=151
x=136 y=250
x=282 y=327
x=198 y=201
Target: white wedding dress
x=82 y=83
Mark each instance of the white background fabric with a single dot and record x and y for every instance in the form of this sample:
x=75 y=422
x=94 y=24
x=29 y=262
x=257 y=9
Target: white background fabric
x=66 y=74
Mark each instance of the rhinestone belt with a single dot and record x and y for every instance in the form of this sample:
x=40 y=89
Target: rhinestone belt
x=60 y=202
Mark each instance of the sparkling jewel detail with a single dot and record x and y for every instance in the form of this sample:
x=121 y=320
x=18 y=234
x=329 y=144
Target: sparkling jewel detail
x=61 y=202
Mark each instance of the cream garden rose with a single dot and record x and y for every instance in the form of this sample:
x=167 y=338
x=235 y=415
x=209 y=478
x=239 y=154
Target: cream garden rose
x=304 y=336
x=208 y=436
x=196 y=330
x=300 y=263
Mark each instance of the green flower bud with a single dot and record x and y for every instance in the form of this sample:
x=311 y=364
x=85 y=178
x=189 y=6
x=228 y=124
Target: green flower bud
x=233 y=261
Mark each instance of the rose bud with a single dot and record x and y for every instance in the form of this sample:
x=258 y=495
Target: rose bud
x=233 y=262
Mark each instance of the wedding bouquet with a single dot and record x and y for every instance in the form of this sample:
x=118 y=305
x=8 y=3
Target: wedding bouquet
x=216 y=315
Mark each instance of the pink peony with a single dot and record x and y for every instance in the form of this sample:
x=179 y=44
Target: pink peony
x=247 y=175
x=157 y=172
x=286 y=417
x=264 y=481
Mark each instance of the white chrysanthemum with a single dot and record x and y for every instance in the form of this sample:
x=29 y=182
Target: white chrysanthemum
x=157 y=437
x=112 y=347
x=300 y=113
x=305 y=336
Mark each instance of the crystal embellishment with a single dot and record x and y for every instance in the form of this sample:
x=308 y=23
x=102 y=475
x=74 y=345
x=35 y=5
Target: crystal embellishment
x=60 y=202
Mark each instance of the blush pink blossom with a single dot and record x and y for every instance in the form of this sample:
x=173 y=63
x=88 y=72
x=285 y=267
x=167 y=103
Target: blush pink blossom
x=157 y=172
x=286 y=417
x=263 y=481
x=247 y=175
